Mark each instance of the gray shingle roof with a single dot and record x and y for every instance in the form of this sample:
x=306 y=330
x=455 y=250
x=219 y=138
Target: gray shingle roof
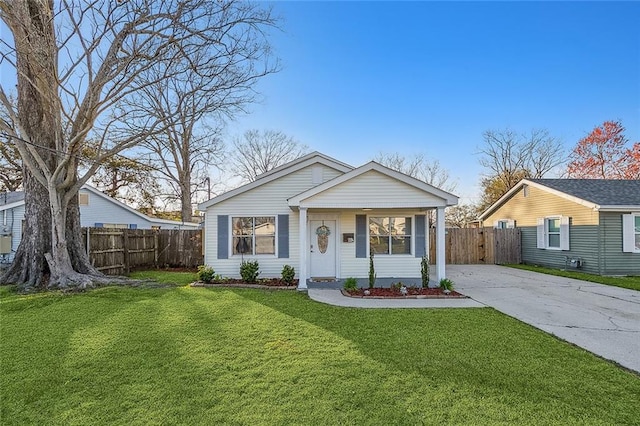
x=11 y=197
x=604 y=192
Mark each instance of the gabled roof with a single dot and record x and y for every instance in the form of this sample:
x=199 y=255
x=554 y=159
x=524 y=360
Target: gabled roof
x=9 y=200
x=449 y=199
x=270 y=176
x=134 y=211
x=597 y=194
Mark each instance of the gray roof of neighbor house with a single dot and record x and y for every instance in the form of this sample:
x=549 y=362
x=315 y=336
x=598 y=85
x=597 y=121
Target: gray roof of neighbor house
x=604 y=192
x=11 y=197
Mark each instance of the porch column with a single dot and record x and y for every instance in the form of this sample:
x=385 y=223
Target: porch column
x=302 y=270
x=440 y=254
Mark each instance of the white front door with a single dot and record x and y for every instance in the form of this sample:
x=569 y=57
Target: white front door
x=322 y=241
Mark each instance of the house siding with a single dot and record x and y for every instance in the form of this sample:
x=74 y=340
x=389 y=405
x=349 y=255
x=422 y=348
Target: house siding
x=14 y=227
x=613 y=260
x=583 y=241
x=365 y=190
x=269 y=199
x=386 y=266
x=539 y=203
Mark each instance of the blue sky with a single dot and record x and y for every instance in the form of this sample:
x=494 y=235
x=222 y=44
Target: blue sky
x=359 y=78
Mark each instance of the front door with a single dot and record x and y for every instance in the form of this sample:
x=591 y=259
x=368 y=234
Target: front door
x=322 y=238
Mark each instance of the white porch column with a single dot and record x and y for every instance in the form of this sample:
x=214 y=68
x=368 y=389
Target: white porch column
x=302 y=270
x=440 y=254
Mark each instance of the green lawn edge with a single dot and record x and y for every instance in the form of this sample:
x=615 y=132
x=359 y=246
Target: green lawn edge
x=628 y=282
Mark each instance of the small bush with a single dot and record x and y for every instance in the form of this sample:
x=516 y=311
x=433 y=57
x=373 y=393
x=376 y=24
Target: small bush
x=288 y=274
x=249 y=271
x=424 y=271
x=446 y=284
x=372 y=272
x=350 y=284
x=206 y=274
x=396 y=286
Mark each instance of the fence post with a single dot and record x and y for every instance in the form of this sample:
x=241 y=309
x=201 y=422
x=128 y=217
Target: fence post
x=125 y=244
x=155 y=247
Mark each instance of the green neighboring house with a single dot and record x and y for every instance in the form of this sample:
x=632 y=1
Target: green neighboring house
x=587 y=224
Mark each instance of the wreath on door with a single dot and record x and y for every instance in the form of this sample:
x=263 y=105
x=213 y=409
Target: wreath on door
x=323 y=233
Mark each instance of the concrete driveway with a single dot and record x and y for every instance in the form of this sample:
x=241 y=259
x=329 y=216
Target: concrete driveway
x=602 y=319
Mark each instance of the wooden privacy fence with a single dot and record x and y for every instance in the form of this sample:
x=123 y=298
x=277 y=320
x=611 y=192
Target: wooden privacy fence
x=117 y=251
x=479 y=246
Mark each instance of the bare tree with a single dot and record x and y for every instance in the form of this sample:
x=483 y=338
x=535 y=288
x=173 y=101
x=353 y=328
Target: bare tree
x=510 y=157
x=258 y=152
x=81 y=68
x=419 y=167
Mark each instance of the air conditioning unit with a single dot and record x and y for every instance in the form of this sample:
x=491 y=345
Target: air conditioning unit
x=5 y=244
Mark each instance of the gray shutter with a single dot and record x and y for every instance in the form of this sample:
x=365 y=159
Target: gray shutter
x=223 y=236
x=361 y=236
x=421 y=226
x=564 y=233
x=283 y=236
x=628 y=233
x=540 y=234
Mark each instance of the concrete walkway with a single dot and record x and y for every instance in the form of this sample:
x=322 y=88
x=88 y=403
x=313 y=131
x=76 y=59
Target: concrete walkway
x=602 y=319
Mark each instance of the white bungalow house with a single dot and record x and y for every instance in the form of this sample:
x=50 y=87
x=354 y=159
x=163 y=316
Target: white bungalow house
x=345 y=213
x=96 y=210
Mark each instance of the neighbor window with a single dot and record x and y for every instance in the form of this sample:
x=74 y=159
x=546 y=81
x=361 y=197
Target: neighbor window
x=254 y=235
x=390 y=235
x=553 y=232
x=83 y=199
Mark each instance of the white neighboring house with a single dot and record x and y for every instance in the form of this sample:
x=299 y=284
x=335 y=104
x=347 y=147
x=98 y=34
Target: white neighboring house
x=344 y=213
x=96 y=210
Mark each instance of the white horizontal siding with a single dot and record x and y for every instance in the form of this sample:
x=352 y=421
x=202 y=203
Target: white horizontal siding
x=386 y=266
x=103 y=210
x=269 y=199
x=375 y=190
x=13 y=226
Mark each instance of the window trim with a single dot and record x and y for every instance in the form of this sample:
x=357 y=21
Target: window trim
x=548 y=233
x=412 y=235
x=629 y=233
x=563 y=233
x=253 y=236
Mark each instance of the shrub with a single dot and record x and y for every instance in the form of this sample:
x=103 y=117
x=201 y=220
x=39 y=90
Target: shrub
x=350 y=284
x=249 y=271
x=372 y=272
x=206 y=274
x=446 y=284
x=424 y=271
x=288 y=274
x=396 y=286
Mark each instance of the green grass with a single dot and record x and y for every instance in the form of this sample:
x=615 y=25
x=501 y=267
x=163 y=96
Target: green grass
x=632 y=283
x=166 y=277
x=181 y=355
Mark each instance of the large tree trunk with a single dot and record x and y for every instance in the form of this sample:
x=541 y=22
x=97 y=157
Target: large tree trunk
x=39 y=113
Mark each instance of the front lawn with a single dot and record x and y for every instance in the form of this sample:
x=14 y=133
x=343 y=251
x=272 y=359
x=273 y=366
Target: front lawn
x=181 y=355
x=632 y=283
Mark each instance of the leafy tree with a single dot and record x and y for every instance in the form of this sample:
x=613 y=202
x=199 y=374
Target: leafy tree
x=81 y=69
x=508 y=157
x=605 y=154
x=258 y=152
x=128 y=180
x=461 y=216
x=10 y=167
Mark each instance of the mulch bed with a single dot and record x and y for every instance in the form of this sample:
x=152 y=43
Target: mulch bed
x=268 y=283
x=412 y=293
